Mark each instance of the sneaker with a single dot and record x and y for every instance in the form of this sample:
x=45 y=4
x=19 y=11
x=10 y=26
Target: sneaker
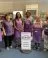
x=35 y=48
x=19 y=45
x=7 y=48
x=11 y=47
x=38 y=48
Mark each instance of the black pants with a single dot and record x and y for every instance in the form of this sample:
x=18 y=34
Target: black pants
x=8 y=40
x=37 y=45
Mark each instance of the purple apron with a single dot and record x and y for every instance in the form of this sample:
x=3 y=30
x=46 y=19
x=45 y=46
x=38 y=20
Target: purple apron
x=18 y=24
x=37 y=34
x=27 y=26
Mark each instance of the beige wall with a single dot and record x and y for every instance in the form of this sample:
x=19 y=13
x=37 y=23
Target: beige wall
x=5 y=6
x=20 y=5
x=11 y=6
x=43 y=7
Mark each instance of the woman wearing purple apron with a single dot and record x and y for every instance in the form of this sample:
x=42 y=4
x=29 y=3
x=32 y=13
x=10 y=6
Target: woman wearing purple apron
x=18 y=28
x=8 y=31
x=28 y=22
x=37 y=32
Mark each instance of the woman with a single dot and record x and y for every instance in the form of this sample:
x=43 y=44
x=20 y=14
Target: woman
x=8 y=31
x=37 y=32
x=28 y=22
x=45 y=26
x=1 y=32
x=18 y=28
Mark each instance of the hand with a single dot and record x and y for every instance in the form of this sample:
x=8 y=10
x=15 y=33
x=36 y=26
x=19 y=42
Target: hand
x=20 y=30
x=5 y=34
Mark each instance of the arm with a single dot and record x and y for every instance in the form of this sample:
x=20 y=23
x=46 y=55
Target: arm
x=15 y=25
x=2 y=28
x=4 y=33
x=23 y=25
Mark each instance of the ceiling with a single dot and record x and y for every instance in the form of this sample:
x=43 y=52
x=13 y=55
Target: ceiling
x=18 y=0
x=41 y=1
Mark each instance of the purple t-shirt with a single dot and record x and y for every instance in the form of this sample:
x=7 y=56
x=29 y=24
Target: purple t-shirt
x=8 y=25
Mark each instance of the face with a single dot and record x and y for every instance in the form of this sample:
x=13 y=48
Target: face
x=18 y=15
x=47 y=21
x=8 y=17
x=37 y=19
x=28 y=14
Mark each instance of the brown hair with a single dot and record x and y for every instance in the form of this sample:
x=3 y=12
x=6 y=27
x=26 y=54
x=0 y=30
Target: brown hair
x=17 y=15
x=28 y=12
x=6 y=15
x=46 y=18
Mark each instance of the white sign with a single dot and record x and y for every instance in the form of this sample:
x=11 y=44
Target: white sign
x=26 y=41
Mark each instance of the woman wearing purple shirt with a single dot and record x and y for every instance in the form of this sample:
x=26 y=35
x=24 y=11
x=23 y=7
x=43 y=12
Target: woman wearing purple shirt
x=37 y=32
x=18 y=28
x=9 y=31
x=28 y=22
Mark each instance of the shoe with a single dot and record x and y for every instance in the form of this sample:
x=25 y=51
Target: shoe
x=11 y=47
x=7 y=48
x=38 y=48
x=19 y=45
x=35 y=48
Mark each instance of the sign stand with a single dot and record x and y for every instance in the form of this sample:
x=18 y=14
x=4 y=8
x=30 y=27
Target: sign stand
x=26 y=42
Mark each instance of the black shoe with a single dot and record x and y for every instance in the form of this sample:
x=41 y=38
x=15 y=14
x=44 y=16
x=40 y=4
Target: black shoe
x=19 y=45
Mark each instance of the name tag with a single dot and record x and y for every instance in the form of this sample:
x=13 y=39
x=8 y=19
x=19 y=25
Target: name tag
x=36 y=31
